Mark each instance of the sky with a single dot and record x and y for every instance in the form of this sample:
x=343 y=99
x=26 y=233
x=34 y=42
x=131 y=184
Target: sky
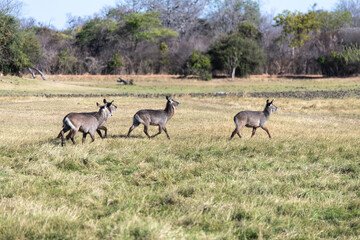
x=54 y=12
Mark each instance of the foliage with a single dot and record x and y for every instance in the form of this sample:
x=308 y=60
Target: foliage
x=18 y=49
x=296 y=26
x=114 y=66
x=238 y=53
x=331 y=21
x=66 y=62
x=342 y=64
x=200 y=64
x=164 y=58
x=146 y=27
x=95 y=34
x=247 y=29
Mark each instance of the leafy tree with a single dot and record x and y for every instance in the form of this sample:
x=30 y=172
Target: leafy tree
x=200 y=64
x=330 y=21
x=146 y=27
x=238 y=53
x=95 y=35
x=296 y=26
x=18 y=49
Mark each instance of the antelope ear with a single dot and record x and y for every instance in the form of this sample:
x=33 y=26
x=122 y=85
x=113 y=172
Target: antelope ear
x=272 y=101
x=104 y=101
x=167 y=97
x=97 y=104
x=267 y=101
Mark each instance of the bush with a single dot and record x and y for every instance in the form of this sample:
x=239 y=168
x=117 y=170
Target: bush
x=115 y=65
x=343 y=64
x=199 y=64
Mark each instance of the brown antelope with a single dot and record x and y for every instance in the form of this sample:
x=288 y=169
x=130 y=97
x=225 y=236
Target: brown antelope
x=253 y=119
x=87 y=123
x=159 y=118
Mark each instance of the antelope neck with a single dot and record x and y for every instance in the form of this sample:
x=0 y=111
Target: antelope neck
x=267 y=112
x=169 y=109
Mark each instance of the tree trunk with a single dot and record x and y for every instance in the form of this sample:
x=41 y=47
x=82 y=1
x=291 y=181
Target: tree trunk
x=233 y=72
x=42 y=75
x=32 y=73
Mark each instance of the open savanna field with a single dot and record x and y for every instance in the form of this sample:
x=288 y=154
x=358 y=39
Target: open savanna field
x=304 y=183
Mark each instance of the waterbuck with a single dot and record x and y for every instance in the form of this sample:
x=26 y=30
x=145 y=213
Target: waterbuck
x=159 y=118
x=253 y=119
x=87 y=123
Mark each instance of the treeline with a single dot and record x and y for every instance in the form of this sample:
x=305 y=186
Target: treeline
x=189 y=37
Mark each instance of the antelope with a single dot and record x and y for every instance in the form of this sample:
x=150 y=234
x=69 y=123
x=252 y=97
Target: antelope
x=253 y=119
x=159 y=118
x=87 y=123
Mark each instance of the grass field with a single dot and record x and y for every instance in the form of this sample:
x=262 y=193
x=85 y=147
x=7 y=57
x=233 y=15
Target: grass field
x=304 y=183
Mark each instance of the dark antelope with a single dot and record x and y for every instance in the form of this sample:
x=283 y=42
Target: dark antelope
x=253 y=119
x=159 y=118
x=87 y=123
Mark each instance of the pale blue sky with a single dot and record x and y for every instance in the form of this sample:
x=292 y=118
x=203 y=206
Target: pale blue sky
x=53 y=12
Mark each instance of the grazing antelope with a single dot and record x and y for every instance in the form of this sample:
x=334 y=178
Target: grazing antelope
x=253 y=119
x=86 y=122
x=159 y=118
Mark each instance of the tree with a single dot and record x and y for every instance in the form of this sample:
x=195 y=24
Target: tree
x=238 y=53
x=225 y=15
x=352 y=6
x=10 y=7
x=18 y=49
x=296 y=27
x=331 y=21
x=146 y=27
x=178 y=15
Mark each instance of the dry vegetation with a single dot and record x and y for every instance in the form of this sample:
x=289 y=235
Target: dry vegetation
x=302 y=184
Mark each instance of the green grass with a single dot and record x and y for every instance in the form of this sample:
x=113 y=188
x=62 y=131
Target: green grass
x=302 y=184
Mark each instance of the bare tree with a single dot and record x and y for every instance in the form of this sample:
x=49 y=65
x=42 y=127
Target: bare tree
x=225 y=15
x=10 y=7
x=353 y=6
x=178 y=15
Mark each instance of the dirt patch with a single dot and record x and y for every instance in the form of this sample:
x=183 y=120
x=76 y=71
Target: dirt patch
x=291 y=94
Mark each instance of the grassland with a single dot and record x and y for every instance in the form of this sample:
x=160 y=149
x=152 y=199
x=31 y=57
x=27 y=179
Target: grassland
x=62 y=84
x=302 y=184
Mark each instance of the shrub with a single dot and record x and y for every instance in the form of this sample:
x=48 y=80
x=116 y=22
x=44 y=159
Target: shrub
x=342 y=64
x=199 y=64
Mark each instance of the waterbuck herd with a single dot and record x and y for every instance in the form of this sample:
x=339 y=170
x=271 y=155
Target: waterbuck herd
x=89 y=122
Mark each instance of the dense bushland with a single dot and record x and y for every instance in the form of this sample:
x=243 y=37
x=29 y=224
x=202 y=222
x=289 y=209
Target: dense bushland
x=342 y=64
x=150 y=37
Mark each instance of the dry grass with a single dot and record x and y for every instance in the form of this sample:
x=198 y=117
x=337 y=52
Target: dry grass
x=153 y=84
x=302 y=184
